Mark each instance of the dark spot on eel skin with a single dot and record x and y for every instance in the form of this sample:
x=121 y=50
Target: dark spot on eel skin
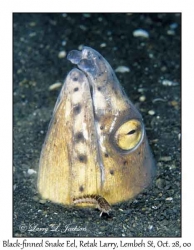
x=101 y=127
x=76 y=89
x=79 y=137
x=106 y=155
x=112 y=172
x=75 y=79
x=82 y=158
x=99 y=88
x=77 y=109
x=81 y=189
x=125 y=163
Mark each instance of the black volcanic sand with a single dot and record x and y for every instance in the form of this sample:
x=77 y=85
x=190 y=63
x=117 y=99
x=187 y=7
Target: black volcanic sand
x=38 y=39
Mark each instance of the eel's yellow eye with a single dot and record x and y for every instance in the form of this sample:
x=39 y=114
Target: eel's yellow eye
x=129 y=134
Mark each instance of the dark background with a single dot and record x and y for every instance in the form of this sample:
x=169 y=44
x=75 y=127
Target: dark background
x=37 y=40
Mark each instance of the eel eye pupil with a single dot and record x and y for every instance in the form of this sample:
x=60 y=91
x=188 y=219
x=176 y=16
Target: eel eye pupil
x=129 y=135
x=131 y=132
